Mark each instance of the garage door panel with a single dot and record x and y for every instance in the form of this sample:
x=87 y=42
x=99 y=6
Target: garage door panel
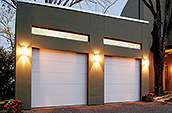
x=122 y=79
x=49 y=55
x=67 y=91
x=121 y=72
x=42 y=78
x=121 y=87
x=54 y=101
x=58 y=78
x=123 y=61
x=53 y=67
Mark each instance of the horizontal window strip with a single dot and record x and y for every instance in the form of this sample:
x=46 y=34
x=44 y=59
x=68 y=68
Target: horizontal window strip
x=122 y=44
x=59 y=34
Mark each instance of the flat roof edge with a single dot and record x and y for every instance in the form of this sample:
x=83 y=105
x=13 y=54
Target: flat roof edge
x=85 y=11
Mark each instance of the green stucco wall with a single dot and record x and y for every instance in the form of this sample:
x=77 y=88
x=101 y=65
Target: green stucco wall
x=96 y=26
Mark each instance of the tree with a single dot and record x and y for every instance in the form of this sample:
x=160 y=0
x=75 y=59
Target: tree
x=7 y=74
x=7 y=53
x=7 y=24
x=159 y=37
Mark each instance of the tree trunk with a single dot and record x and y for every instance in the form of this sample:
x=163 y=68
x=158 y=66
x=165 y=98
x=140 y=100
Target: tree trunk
x=158 y=69
x=158 y=50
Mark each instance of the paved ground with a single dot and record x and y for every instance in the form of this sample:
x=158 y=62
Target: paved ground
x=127 y=107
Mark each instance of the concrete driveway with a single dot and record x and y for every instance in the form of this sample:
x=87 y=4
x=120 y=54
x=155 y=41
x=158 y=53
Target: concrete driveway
x=126 y=107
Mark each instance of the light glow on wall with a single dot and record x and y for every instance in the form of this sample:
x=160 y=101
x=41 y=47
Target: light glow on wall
x=97 y=58
x=59 y=34
x=145 y=63
x=24 y=51
x=122 y=44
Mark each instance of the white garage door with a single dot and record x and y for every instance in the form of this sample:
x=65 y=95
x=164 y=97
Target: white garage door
x=122 y=80
x=58 y=78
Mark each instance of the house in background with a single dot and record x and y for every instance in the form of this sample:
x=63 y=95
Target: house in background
x=67 y=57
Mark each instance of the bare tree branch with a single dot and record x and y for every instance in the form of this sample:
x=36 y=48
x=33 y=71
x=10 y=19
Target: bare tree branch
x=158 y=8
x=109 y=6
x=14 y=2
x=73 y=3
x=50 y=1
x=60 y=1
x=167 y=7
x=55 y=2
x=9 y=4
x=151 y=8
x=66 y=3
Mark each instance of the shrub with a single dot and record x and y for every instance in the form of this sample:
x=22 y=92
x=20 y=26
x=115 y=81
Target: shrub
x=7 y=74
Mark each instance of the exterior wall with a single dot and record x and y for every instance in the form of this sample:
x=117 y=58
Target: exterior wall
x=96 y=26
x=145 y=14
x=132 y=10
x=169 y=77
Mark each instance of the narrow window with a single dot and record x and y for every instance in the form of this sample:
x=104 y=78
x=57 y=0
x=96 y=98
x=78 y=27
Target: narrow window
x=124 y=44
x=59 y=34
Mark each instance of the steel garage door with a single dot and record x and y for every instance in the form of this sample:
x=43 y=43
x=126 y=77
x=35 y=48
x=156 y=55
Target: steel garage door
x=58 y=78
x=122 y=79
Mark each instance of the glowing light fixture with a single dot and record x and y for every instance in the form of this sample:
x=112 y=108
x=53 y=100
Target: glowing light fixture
x=169 y=51
x=24 y=51
x=96 y=57
x=145 y=62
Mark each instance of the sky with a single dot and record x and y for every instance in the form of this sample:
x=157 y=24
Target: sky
x=115 y=9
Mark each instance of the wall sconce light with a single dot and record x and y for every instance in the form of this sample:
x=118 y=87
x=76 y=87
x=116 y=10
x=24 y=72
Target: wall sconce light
x=96 y=57
x=145 y=62
x=24 y=51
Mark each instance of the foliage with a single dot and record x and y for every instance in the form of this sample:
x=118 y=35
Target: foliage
x=2 y=103
x=148 y=97
x=150 y=94
x=13 y=105
x=7 y=74
x=10 y=105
